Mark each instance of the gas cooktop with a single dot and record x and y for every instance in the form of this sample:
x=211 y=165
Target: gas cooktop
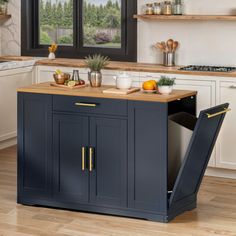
x=209 y=68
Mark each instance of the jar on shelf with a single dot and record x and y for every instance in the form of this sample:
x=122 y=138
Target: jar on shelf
x=149 y=9
x=157 y=8
x=167 y=8
x=178 y=7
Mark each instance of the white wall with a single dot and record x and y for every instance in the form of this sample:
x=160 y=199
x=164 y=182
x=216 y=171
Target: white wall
x=202 y=42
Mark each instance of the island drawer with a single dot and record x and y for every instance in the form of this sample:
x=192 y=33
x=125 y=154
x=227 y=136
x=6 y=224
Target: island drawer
x=90 y=105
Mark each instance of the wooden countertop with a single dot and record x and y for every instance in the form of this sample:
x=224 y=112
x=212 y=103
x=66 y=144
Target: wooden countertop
x=132 y=66
x=45 y=88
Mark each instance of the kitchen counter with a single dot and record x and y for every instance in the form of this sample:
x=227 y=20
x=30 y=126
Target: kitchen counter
x=14 y=62
x=132 y=66
x=88 y=153
x=45 y=88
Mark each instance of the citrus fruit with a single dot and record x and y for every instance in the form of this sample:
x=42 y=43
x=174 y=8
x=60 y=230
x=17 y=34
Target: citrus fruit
x=154 y=83
x=148 y=85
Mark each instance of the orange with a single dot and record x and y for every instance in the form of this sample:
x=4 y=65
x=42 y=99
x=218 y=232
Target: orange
x=154 y=83
x=148 y=85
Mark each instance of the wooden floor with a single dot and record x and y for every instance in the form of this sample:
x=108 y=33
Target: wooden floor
x=215 y=215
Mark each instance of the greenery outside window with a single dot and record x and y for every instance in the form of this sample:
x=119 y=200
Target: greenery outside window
x=80 y=27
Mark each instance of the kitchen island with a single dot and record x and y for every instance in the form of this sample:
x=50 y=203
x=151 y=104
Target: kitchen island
x=88 y=151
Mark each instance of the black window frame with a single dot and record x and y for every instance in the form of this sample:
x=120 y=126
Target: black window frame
x=30 y=34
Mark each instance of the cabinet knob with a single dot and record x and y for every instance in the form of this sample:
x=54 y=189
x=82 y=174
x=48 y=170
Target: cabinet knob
x=90 y=159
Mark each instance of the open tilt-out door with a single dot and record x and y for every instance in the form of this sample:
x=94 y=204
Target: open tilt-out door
x=197 y=156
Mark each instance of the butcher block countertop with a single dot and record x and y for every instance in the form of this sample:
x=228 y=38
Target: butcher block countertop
x=131 y=66
x=45 y=88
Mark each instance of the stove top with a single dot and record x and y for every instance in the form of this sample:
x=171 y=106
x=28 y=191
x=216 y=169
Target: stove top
x=209 y=68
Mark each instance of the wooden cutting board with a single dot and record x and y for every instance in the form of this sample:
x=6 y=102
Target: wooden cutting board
x=121 y=91
x=67 y=87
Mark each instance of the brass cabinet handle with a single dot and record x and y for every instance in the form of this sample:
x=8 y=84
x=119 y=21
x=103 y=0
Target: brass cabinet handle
x=90 y=159
x=83 y=158
x=218 y=113
x=232 y=87
x=81 y=104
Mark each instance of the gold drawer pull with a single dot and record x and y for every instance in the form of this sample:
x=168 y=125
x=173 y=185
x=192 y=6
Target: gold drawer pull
x=218 y=113
x=81 y=104
x=83 y=158
x=90 y=159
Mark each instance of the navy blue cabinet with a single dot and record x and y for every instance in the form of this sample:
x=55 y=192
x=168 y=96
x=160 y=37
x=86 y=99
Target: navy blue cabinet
x=147 y=156
x=97 y=155
x=70 y=176
x=34 y=146
x=88 y=165
x=108 y=179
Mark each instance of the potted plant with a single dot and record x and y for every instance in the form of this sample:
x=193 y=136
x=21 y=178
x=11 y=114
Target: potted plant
x=96 y=63
x=165 y=85
x=3 y=7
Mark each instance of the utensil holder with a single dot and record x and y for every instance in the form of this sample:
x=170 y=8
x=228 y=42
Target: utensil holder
x=169 y=59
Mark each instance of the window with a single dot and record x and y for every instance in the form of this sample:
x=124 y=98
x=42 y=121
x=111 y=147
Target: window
x=80 y=28
x=56 y=22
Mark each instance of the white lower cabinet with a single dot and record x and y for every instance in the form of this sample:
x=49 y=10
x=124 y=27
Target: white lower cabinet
x=45 y=74
x=10 y=80
x=226 y=153
x=206 y=98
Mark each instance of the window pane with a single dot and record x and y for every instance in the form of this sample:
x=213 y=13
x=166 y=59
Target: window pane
x=56 y=22
x=102 y=23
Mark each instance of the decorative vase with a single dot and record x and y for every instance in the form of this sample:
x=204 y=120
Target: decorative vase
x=165 y=90
x=51 y=56
x=95 y=78
x=3 y=8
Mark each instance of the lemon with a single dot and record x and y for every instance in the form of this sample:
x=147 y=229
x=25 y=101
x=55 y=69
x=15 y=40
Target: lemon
x=71 y=83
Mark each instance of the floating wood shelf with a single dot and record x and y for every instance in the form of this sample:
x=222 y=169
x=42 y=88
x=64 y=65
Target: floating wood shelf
x=5 y=17
x=186 y=17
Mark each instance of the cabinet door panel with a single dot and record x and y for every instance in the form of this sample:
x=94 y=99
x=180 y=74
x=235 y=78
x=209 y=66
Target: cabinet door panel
x=226 y=157
x=34 y=145
x=148 y=156
x=70 y=135
x=109 y=176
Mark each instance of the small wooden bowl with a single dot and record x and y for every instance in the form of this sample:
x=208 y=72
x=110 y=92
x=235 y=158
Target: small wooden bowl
x=61 y=79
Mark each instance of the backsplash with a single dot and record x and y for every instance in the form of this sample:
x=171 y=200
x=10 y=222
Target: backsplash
x=201 y=42
x=10 y=30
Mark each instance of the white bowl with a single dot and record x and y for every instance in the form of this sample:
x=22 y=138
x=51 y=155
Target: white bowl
x=165 y=90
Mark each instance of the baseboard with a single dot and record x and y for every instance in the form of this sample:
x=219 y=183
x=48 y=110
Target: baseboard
x=8 y=143
x=223 y=173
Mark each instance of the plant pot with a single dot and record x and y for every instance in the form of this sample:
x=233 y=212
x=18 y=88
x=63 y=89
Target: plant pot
x=165 y=90
x=51 y=56
x=95 y=78
x=3 y=8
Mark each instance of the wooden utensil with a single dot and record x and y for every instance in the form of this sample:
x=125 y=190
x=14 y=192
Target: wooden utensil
x=159 y=46
x=164 y=45
x=170 y=43
x=175 y=46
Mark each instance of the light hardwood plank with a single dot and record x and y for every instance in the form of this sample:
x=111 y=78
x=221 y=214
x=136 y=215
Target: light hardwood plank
x=214 y=216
